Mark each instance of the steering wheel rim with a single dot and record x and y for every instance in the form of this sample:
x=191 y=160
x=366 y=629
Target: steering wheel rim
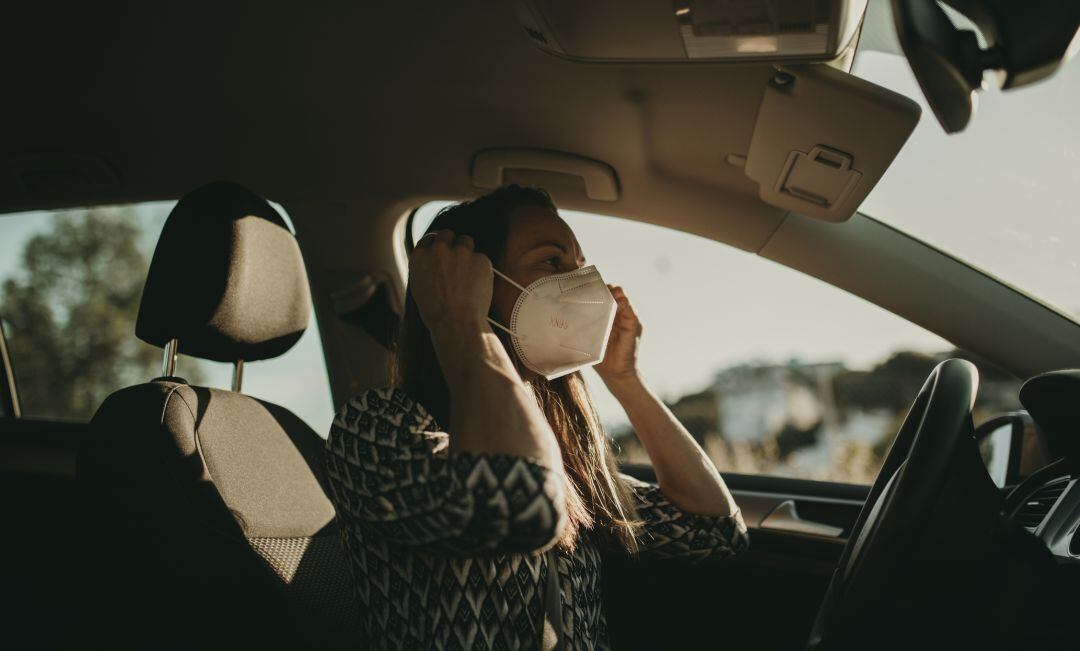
x=894 y=514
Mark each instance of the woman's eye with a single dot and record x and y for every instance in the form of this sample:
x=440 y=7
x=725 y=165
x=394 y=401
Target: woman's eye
x=552 y=261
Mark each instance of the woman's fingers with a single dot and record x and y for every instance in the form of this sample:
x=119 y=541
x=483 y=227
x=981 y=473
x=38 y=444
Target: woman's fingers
x=425 y=240
x=619 y=295
x=627 y=318
x=465 y=241
x=431 y=237
x=449 y=280
x=445 y=237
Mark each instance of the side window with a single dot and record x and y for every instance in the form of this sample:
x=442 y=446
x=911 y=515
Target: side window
x=772 y=371
x=70 y=284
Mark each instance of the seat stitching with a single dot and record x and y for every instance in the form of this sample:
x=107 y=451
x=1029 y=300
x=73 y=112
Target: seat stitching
x=198 y=441
x=214 y=530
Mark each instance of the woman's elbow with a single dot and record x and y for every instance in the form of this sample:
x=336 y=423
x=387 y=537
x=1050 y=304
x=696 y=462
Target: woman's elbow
x=718 y=537
x=519 y=509
x=537 y=528
x=468 y=521
x=733 y=535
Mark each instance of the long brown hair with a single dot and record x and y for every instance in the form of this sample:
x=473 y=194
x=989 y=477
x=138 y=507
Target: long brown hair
x=598 y=499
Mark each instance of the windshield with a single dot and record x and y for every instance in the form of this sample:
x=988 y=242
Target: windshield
x=1001 y=195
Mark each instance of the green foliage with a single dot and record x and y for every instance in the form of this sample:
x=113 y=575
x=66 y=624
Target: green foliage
x=792 y=437
x=892 y=384
x=699 y=413
x=70 y=314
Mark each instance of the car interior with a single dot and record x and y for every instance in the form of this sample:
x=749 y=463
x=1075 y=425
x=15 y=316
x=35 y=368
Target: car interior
x=185 y=514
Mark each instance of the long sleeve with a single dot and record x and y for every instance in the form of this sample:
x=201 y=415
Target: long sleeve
x=670 y=533
x=391 y=472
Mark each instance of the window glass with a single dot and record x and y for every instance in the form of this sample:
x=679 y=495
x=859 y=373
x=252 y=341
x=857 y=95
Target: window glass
x=772 y=371
x=999 y=193
x=70 y=284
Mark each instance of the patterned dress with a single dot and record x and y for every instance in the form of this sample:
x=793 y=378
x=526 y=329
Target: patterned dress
x=444 y=547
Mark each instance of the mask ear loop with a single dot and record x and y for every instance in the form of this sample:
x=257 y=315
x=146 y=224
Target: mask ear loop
x=523 y=291
x=509 y=280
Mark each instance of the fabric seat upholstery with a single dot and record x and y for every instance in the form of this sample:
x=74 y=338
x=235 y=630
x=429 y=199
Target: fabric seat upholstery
x=205 y=514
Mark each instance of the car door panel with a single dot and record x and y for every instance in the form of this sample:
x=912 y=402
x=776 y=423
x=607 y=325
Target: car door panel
x=764 y=598
x=39 y=512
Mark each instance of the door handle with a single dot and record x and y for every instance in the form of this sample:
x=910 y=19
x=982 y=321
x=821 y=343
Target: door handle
x=785 y=518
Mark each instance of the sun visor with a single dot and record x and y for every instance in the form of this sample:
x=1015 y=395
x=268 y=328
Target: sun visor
x=823 y=139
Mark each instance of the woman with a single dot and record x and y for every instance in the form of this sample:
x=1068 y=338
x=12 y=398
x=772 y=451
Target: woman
x=463 y=485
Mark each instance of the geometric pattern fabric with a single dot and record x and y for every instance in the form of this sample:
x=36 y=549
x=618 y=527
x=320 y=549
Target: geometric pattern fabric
x=444 y=549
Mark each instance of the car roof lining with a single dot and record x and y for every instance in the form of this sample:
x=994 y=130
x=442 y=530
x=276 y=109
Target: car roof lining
x=304 y=119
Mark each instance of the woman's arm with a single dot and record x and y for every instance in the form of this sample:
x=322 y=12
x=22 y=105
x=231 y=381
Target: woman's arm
x=491 y=410
x=390 y=473
x=496 y=483
x=686 y=474
x=668 y=532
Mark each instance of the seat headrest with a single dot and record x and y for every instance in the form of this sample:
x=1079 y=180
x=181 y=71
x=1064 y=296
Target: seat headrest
x=227 y=279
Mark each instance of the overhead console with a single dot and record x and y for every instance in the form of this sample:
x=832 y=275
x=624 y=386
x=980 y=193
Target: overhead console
x=692 y=30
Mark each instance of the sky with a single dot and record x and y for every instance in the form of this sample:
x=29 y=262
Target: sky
x=1001 y=194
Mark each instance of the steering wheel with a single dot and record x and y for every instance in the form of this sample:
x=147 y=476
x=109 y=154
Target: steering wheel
x=895 y=512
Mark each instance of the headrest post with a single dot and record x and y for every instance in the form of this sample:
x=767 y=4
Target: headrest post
x=238 y=375
x=168 y=364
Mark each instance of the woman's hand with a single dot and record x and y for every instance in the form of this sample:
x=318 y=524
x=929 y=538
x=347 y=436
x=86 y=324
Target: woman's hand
x=491 y=409
x=620 y=360
x=449 y=281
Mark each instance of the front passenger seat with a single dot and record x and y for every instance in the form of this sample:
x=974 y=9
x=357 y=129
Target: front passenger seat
x=205 y=517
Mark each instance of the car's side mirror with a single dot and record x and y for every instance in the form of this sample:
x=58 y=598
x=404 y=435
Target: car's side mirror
x=1001 y=442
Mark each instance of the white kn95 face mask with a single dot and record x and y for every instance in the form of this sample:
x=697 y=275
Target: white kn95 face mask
x=561 y=322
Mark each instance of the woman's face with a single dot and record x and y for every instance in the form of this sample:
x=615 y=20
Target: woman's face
x=538 y=243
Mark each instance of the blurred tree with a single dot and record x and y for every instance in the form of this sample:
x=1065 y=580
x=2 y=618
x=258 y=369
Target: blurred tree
x=699 y=413
x=70 y=314
x=891 y=384
x=792 y=438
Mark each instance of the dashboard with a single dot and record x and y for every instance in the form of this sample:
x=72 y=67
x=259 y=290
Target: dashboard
x=1050 y=509
x=1059 y=529
x=1047 y=503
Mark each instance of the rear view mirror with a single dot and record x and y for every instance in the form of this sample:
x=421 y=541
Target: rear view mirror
x=1026 y=41
x=1001 y=441
x=945 y=60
